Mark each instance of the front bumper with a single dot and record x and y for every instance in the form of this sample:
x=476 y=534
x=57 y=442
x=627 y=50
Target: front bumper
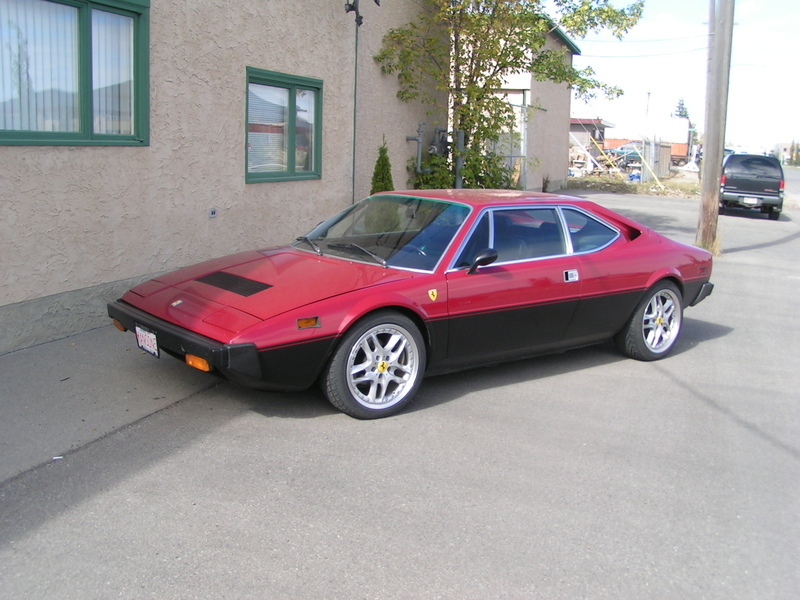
x=237 y=360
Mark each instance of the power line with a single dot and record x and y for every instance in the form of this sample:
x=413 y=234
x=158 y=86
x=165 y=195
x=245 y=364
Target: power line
x=677 y=39
x=704 y=49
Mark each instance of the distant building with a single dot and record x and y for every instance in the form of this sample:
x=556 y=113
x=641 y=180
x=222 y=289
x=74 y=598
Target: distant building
x=590 y=134
x=540 y=150
x=783 y=152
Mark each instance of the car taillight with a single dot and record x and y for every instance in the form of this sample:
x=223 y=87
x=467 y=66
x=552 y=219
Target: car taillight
x=781 y=184
x=722 y=180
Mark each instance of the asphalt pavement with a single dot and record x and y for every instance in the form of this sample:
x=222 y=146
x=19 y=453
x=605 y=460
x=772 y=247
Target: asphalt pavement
x=579 y=475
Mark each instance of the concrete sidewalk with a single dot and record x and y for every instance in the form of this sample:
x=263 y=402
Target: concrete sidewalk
x=58 y=397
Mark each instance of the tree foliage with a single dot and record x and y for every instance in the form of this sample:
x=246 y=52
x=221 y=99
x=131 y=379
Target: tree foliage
x=794 y=154
x=682 y=112
x=382 y=173
x=464 y=49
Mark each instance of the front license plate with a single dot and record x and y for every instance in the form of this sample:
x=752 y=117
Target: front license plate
x=146 y=340
x=750 y=200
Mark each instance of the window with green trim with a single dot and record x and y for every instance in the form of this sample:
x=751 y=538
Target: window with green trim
x=74 y=72
x=284 y=127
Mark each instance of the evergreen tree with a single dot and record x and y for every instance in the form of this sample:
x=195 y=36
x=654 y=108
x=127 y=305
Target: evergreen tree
x=681 y=110
x=382 y=174
x=683 y=113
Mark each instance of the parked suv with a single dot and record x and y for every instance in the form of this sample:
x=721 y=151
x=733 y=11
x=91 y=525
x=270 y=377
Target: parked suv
x=752 y=181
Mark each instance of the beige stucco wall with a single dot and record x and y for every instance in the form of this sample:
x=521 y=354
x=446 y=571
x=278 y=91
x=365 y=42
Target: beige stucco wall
x=548 y=132
x=80 y=224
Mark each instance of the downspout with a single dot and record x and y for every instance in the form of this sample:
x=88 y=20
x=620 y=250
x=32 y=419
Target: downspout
x=355 y=111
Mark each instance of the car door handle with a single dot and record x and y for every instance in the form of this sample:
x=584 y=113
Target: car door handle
x=571 y=275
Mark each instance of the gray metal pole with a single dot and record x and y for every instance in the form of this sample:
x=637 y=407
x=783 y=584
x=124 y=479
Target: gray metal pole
x=720 y=41
x=459 y=158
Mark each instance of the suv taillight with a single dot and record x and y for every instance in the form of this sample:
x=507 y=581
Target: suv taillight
x=781 y=184
x=722 y=180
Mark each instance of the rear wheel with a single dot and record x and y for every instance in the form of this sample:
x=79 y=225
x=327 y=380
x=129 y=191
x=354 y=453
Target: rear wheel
x=653 y=329
x=774 y=214
x=378 y=366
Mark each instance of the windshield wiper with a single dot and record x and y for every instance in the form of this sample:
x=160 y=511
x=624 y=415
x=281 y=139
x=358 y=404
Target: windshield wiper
x=351 y=246
x=311 y=243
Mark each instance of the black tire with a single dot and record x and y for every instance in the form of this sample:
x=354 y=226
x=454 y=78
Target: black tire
x=774 y=214
x=377 y=367
x=654 y=327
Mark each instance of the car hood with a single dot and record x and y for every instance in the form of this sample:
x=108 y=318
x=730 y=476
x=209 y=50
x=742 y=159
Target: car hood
x=238 y=291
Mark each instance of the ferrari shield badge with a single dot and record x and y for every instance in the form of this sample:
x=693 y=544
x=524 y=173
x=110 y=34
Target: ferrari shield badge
x=433 y=294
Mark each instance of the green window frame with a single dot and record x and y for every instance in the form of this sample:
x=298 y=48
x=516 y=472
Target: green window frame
x=94 y=113
x=283 y=137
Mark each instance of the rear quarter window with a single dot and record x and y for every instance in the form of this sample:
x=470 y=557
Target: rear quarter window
x=586 y=233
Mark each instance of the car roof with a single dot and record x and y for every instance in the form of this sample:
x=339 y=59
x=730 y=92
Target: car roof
x=480 y=198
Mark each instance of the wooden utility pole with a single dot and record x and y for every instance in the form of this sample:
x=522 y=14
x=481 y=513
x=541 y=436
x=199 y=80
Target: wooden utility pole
x=720 y=40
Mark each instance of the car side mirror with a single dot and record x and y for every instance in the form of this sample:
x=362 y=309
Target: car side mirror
x=483 y=258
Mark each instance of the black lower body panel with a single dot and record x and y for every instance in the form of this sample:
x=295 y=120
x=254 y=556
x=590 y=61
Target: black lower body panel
x=286 y=368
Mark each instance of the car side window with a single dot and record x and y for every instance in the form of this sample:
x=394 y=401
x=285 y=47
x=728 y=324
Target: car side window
x=522 y=234
x=586 y=233
x=479 y=240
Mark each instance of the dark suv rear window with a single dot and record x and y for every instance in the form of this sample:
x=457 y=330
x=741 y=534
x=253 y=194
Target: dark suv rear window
x=763 y=166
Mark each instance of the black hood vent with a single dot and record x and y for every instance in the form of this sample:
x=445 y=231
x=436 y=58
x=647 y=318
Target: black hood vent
x=234 y=283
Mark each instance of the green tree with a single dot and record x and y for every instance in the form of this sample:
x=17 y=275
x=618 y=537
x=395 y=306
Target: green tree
x=464 y=49
x=382 y=174
x=682 y=112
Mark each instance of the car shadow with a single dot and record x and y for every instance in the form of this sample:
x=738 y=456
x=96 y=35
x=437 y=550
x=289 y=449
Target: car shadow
x=441 y=389
x=446 y=388
x=746 y=213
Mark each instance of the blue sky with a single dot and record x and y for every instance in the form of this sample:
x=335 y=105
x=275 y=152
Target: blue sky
x=664 y=58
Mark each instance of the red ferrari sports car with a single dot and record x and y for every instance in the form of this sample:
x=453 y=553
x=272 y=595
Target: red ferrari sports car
x=404 y=284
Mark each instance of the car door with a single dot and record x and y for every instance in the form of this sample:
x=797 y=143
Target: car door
x=610 y=285
x=524 y=301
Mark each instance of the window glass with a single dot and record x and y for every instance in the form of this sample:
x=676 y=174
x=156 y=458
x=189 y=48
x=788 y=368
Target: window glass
x=478 y=241
x=404 y=232
x=47 y=97
x=39 y=66
x=283 y=127
x=753 y=165
x=304 y=130
x=587 y=233
x=521 y=234
x=266 y=129
x=112 y=73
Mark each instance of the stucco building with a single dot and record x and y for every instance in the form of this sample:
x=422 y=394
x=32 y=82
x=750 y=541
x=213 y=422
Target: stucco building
x=139 y=136
x=541 y=149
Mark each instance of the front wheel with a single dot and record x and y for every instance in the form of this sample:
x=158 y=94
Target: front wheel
x=378 y=366
x=653 y=329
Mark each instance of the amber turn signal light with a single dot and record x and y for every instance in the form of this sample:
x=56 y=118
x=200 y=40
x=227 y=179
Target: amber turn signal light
x=306 y=323
x=197 y=362
x=118 y=325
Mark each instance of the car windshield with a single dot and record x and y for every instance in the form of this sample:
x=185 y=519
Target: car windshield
x=395 y=231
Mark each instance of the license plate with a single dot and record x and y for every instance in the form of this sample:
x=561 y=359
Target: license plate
x=750 y=200
x=146 y=340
